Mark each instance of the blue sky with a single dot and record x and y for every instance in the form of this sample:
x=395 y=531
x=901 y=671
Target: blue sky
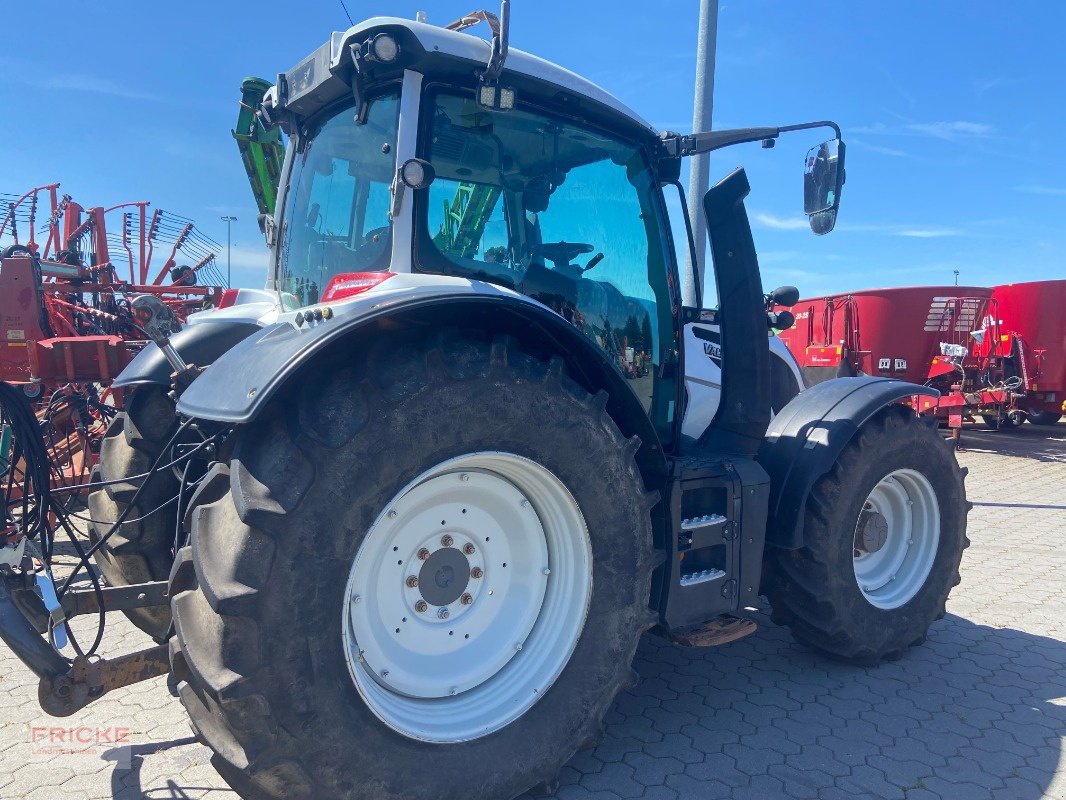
x=953 y=113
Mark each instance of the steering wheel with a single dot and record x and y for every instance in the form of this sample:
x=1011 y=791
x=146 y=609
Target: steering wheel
x=372 y=244
x=561 y=253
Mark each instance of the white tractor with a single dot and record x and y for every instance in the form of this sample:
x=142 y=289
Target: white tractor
x=474 y=441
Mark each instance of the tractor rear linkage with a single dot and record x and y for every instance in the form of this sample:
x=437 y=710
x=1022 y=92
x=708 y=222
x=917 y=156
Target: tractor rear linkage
x=68 y=686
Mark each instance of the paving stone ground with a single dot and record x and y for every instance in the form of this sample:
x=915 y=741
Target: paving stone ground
x=978 y=711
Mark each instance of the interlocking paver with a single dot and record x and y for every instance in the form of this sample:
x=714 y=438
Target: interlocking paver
x=978 y=711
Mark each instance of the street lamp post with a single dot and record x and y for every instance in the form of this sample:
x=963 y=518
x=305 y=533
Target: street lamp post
x=700 y=176
x=229 y=251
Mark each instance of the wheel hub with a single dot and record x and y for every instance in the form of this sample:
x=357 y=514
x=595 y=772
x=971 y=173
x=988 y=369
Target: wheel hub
x=871 y=532
x=444 y=577
x=451 y=576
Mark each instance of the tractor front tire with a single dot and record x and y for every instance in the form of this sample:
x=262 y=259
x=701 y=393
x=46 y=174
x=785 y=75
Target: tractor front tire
x=342 y=532
x=884 y=533
x=141 y=550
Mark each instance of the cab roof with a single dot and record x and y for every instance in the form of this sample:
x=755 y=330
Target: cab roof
x=435 y=39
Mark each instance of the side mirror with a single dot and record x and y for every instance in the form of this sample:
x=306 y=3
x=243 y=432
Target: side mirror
x=786 y=296
x=823 y=180
x=158 y=321
x=781 y=320
x=266 y=225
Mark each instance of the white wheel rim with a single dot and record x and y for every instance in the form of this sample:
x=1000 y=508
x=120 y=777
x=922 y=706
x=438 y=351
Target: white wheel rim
x=903 y=510
x=486 y=647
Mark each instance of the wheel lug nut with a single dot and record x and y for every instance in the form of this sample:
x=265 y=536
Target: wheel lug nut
x=477 y=572
x=412 y=581
x=421 y=606
x=446 y=540
x=423 y=554
x=466 y=599
x=442 y=613
x=468 y=549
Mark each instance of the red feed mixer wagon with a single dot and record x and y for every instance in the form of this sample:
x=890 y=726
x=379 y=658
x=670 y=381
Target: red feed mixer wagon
x=1033 y=312
x=954 y=338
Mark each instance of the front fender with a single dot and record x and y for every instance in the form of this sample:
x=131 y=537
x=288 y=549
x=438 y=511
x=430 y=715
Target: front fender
x=805 y=439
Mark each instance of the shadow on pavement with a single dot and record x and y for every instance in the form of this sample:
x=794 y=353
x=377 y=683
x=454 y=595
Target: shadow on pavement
x=1045 y=443
x=126 y=775
x=975 y=712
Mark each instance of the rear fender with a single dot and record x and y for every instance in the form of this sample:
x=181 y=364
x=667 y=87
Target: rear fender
x=243 y=381
x=804 y=441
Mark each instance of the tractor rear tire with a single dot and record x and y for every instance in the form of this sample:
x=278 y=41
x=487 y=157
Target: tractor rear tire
x=904 y=472
x=268 y=650
x=1045 y=418
x=141 y=550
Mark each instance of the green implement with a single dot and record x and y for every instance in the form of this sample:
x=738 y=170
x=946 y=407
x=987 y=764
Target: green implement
x=465 y=218
x=262 y=149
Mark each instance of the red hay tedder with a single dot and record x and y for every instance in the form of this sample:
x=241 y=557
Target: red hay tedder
x=64 y=310
x=998 y=354
x=66 y=329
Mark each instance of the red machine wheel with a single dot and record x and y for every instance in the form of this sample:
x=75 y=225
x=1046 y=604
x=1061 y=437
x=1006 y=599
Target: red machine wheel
x=1045 y=418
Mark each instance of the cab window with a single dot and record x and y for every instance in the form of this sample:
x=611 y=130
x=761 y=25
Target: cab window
x=566 y=214
x=336 y=216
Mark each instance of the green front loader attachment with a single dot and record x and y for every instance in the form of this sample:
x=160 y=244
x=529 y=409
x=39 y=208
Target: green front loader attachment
x=262 y=149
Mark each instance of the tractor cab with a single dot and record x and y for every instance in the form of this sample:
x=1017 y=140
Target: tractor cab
x=429 y=152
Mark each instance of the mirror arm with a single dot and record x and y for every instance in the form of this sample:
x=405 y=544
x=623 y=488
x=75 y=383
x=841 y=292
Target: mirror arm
x=693 y=144
x=696 y=143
